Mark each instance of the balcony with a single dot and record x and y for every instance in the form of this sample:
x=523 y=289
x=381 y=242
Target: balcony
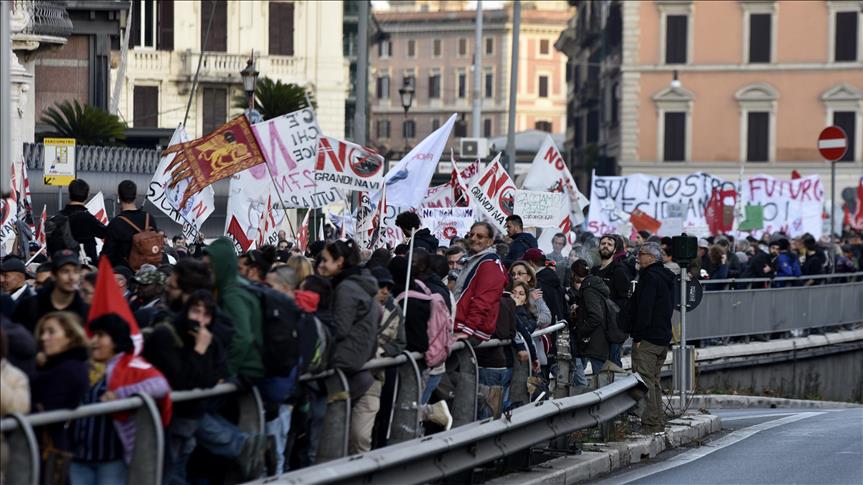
x=100 y=159
x=36 y=22
x=221 y=67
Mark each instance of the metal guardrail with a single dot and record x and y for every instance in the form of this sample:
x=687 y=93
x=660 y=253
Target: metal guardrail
x=147 y=460
x=844 y=277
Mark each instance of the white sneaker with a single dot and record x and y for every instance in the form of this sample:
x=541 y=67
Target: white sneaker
x=439 y=413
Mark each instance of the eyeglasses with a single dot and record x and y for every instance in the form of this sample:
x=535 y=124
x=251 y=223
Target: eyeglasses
x=518 y=273
x=477 y=236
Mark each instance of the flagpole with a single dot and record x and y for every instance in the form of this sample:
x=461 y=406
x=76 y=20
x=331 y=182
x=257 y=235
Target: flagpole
x=408 y=277
x=200 y=61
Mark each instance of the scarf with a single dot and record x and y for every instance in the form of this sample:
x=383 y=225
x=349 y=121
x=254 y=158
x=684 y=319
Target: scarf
x=470 y=268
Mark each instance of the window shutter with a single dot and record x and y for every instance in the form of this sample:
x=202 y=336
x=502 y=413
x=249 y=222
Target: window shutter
x=759 y=37
x=166 y=25
x=146 y=106
x=135 y=32
x=674 y=141
x=757 y=136
x=846 y=36
x=675 y=39
x=543 y=86
x=215 y=109
x=218 y=41
x=847 y=120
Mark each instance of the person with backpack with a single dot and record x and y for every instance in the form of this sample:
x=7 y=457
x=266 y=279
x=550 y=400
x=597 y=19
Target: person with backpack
x=356 y=316
x=589 y=325
x=84 y=226
x=618 y=276
x=132 y=236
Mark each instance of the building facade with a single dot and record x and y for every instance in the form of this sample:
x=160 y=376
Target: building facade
x=291 y=40
x=430 y=46
x=713 y=86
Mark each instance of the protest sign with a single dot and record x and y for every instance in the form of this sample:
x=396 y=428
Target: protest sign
x=549 y=173
x=493 y=193
x=348 y=166
x=290 y=146
x=447 y=223
x=58 y=161
x=454 y=192
x=96 y=206
x=9 y=215
x=790 y=206
x=541 y=209
x=197 y=209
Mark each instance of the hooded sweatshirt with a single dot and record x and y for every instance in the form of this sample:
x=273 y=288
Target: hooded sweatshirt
x=590 y=320
x=244 y=308
x=521 y=242
x=356 y=315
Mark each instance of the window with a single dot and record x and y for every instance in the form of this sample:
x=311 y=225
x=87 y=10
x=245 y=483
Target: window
x=615 y=103
x=489 y=84
x=281 y=31
x=543 y=126
x=544 y=47
x=758 y=136
x=215 y=107
x=846 y=36
x=486 y=128
x=543 y=86
x=436 y=48
x=383 y=129
x=760 y=25
x=434 y=85
x=382 y=86
x=592 y=127
x=462 y=47
x=412 y=48
x=385 y=48
x=409 y=79
x=435 y=124
x=152 y=24
x=409 y=128
x=218 y=41
x=674 y=146
x=460 y=127
x=676 y=27
x=462 y=85
x=847 y=120
x=146 y=104
x=489 y=45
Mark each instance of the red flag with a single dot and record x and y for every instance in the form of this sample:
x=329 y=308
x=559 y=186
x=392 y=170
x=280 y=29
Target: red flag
x=239 y=235
x=643 y=222
x=303 y=235
x=107 y=298
x=795 y=174
x=857 y=223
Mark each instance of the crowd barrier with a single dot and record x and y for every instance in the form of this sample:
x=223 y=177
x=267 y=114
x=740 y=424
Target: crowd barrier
x=147 y=465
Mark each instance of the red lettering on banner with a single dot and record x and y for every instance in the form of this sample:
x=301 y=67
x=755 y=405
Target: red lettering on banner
x=551 y=156
x=199 y=209
x=324 y=149
x=276 y=139
x=496 y=184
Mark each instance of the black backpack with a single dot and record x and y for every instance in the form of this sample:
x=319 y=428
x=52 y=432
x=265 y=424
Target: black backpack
x=58 y=234
x=315 y=344
x=613 y=330
x=281 y=321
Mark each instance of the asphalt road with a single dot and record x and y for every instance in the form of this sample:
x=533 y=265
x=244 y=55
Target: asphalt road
x=765 y=446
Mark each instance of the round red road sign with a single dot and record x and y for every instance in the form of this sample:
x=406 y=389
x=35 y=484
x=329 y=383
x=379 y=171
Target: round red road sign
x=832 y=143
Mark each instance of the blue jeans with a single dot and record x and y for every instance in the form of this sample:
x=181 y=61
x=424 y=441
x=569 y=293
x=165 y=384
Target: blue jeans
x=595 y=365
x=315 y=423
x=431 y=385
x=614 y=354
x=578 y=377
x=277 y=389
x=279 y=429
x=180 y=444
x=98 y=473
x=495 y=377
x=219 y=436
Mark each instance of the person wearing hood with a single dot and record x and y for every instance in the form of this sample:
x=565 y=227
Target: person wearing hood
x=423 y=238
x=650 y=326
x=521 y=241
x=479 y=287
x=590 y=324
x=242 y=306
x=356 y=315
x=61 y=378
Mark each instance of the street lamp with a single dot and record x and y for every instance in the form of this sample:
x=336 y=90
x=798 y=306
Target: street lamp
x=407 y=95
x=250 y=78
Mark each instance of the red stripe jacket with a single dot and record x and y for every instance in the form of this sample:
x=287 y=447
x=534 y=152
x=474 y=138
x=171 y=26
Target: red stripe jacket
x=478 y=305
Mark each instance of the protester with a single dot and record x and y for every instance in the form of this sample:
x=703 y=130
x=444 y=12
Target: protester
x=549 y=283
x=301 y=265
x=147 y=300
x=717 y=267
x=479 y=287
x=14 y=385
x=61 y=295
x=617 y=276
x=43 y=275
x=84 y=225
x=130 y=221
x=815 y=262
x=590 y=323
x=254 y=264
x=123 y=276
x=13 y=278
x=783 y=263
x=527 y=320
x=356 y=316
x=556 y=256
x=521 y=241
x=650 y=324
x=409 y=221
x=21 y=351
x=540 y=314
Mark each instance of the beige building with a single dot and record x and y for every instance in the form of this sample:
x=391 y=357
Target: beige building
x=430 y=46
x=294 y=42
x=756 y=83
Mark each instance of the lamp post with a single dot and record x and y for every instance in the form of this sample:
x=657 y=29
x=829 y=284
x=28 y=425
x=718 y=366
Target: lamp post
x=407 y=95
x=250 y=78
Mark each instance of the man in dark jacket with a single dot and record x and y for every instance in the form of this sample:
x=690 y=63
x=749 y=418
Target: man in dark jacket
x=85 y=227
x=815 y=263
x=652 y=305
x=423 y=238
x=521 y=241
x=617 y=277
x=61 y=295
x=590 y=323
x=118 y=243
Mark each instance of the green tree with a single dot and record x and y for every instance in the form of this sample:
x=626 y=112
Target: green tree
x=88 y=125
x=275 y=98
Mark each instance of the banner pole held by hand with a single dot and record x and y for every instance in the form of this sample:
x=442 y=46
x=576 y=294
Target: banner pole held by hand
x=408 y=278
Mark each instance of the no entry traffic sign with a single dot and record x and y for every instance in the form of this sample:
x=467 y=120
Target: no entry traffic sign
x=832 y=143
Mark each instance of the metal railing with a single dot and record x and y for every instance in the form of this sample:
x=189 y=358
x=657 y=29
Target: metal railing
x=42 y=17
x=100 y=159
x=147 y=464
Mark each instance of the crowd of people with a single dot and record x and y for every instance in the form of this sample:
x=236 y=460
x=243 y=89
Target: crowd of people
x=185 y=316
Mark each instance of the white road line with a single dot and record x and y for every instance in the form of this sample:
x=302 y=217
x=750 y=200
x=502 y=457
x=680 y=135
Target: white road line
x=753 y=416
x=707 y=449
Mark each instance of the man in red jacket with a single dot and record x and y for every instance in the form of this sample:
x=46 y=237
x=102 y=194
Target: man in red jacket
x=479 y=286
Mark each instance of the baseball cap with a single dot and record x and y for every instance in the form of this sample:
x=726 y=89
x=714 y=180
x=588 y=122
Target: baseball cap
x=64 y=257
x=150 y=275
x=125 y=271
x=702 y=243
x=534 y=255
x=13 y=265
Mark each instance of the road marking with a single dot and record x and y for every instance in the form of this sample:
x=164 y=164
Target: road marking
x=708 y=448
x=754 y=416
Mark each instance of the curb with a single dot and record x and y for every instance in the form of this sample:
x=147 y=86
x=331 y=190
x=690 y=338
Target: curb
x=729 y=401
x=606 y=457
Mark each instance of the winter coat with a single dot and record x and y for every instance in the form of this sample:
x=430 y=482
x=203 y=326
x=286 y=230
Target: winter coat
x=423 y=238
x=416 y=322
x=617 y=278
x=243 y=308
x=524 y=322
x=85 y=228
x=436 y=285
x=14 y=390
x=785 y=264
x=814 y=265
x=652 y=305
x=61 y=384
x=356 y=316
x=391 y=335
x=521 y=242
x=590 y=318
x=506 y=328
x=478 y=292
x=30 y=309
x=118 y=243
x=22 y=346
x=552 y=293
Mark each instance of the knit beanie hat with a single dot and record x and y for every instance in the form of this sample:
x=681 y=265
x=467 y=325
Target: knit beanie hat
x=117 y=328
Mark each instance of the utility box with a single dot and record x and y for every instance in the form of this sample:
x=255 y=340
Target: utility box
x=473 y=148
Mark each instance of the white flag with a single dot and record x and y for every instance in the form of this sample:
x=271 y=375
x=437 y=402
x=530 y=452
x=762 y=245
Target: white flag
x=549 y=173
x=493 y=193
x=96 y=206
x=408 y=181
x=197 y=209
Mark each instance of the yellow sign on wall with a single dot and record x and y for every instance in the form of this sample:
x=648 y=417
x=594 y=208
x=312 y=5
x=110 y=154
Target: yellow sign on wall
x=59 y=161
